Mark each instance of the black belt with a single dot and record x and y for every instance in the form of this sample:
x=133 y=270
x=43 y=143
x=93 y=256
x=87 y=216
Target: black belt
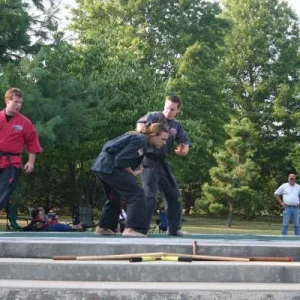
x=8 y=155
x=292 y=205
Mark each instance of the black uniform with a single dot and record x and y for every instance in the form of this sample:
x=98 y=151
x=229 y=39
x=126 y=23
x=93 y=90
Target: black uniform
x=158 y=175
x=122 y=152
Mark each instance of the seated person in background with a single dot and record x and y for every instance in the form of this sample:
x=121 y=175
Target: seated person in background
x=52 y=218
x=39 y=223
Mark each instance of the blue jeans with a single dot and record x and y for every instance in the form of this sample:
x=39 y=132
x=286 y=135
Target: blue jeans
x=288 y=213
x=59 y=227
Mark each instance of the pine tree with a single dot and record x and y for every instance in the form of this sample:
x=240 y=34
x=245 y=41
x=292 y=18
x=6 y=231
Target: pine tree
x=232 y=180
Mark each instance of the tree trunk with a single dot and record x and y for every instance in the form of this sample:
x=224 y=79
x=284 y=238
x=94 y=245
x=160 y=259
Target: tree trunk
x=230 y=216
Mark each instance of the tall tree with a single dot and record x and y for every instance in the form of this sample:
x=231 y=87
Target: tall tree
x=23 y=26
x=262 y=64
x=233 y=179
x=156 y=32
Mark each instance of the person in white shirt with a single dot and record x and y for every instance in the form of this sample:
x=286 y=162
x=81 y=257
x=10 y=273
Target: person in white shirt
x=287 y=196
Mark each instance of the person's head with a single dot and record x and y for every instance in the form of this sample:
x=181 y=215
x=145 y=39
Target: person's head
x=292 y=179
x=172 y=107
x=35 y=214
x=157 y=132
x=13 y=99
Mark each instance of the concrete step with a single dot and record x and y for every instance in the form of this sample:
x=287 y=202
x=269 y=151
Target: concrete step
x=50 y=290
x=153 y=271
x=47 y=245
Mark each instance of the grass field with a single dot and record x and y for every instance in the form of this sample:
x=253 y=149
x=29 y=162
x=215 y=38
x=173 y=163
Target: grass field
x=207 y=225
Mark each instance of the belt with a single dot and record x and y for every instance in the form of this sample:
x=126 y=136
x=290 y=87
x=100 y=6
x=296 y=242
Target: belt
x=292 y=205
x=8 y=155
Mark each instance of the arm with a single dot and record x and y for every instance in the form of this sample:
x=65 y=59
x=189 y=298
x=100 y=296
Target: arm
x=279 y=200
x=136 y=172
x=151 y=117
x=183 y=142
x=33 y=146
x=30 y=164
x=133 y=150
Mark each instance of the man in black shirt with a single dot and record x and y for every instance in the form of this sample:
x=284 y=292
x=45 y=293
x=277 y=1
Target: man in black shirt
x=157 y=174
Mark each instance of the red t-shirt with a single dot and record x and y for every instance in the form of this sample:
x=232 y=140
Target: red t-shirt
x=15 y=135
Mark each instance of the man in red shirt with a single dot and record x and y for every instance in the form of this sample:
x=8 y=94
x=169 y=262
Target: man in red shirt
x=16 y=133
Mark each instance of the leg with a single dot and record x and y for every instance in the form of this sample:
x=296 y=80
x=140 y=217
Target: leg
x=296 y=220
x=126 y=185
x=169 y=188
x=136 y=208
x=8 y=181
x=111 y=209
x=108 y=221
x=150 y=184
x=59 y=227
x=286 y=220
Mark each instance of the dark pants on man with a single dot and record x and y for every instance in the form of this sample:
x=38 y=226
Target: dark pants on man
x=9 y=178
x=122 y=184
x=156 y=176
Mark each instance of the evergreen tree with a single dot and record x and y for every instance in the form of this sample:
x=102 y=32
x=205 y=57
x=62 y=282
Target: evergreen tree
x=234 y=177
x=262 y=65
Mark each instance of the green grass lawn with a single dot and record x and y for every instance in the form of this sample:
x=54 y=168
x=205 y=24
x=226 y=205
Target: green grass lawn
x=207 y=225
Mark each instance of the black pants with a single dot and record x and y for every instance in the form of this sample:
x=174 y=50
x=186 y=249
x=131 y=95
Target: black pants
x=121 y=184
x=9 y=178
x=156 y=176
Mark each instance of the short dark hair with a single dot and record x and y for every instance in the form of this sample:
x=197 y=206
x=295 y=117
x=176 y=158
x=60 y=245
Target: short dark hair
x=174 y=99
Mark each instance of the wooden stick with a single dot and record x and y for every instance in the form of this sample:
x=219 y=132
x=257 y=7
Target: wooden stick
x=176 y=258
x=275 y=259
x=64 y=257
x=107 y=257
x=194 y=248
x=211 y=258
x=160 y=254
x=142 y=258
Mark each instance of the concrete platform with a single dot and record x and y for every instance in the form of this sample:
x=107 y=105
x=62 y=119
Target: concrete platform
x=49 y=290
x=154 y=271
x=46 y=245
x=30 y=273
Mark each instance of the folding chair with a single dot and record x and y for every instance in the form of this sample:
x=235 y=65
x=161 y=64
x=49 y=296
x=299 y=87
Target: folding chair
x=151 y=229
x=85 y=216
x=12 y=219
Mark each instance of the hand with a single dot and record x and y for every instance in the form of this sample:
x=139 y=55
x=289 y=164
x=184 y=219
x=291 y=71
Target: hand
x=138 y=171
x=182 y=150
x=135 y=172
x=28 y=168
